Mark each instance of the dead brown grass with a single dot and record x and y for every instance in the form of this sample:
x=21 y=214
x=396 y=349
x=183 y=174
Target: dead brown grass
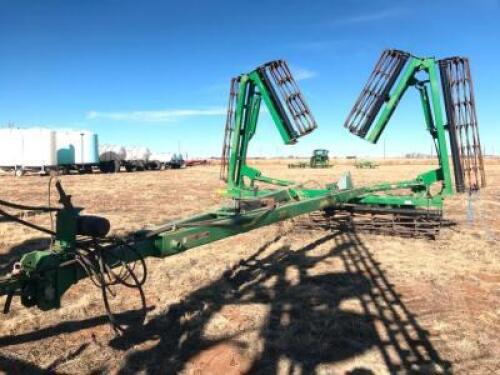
x=273 y=300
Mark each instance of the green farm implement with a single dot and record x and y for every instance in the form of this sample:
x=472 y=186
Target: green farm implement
x=365 y=164
x=445 y=81
x=80 y=245
x=300 y=164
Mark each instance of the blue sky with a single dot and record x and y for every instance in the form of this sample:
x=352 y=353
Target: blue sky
x=156 y=73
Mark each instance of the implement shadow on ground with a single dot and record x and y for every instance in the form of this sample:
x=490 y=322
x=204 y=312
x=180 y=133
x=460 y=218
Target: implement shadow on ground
x=306 y=325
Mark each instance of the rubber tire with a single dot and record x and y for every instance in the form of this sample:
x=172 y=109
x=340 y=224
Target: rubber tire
x=140 y=165
x=130 y=167
x=103 y=166
x=114 y=166
x=154 y=165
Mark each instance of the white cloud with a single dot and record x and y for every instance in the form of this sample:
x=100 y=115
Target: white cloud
x=167 y=115
x=301 y=74
x=368 y=17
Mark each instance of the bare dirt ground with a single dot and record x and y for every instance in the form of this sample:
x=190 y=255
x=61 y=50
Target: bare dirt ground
x=275 y=300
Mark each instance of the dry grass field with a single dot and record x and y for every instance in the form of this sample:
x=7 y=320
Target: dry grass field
x=275 y=300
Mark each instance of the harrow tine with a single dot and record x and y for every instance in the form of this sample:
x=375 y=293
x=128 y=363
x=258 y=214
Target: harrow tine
x=375 y=92
x=460 y=107
x=376 y=220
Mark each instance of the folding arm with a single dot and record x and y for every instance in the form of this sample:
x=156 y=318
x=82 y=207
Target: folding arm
x=376 y=92
x=273 y=84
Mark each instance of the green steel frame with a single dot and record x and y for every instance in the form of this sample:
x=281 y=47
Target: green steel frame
x=241 y=177
x=431 y=100
x=433 y=115
x=43 y=276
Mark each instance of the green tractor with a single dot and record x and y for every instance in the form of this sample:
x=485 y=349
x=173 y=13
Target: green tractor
x=320 y=159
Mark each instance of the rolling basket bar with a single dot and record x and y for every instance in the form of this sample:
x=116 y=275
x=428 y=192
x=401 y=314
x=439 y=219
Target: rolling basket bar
x=376 y=91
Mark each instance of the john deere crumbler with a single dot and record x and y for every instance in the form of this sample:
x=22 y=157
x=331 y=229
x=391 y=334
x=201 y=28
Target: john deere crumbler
x=81 y=248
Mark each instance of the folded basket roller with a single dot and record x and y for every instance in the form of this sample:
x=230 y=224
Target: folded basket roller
x=290 y=108
x=376 y=91
x=229 y=127
x=462 y=124
x=287 y=98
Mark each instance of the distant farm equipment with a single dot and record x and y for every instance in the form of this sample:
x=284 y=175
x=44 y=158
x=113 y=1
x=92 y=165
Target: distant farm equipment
x=319 y=159
x=298 y=165
x=194 y=162
x=365 y=164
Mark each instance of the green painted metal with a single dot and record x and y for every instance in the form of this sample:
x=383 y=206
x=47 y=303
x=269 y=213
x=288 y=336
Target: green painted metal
x=442 y=151
x=388 y=109
x=253 y=89
x=287 y=137
x=433 y=115
x=242 y=177
x=46 y=274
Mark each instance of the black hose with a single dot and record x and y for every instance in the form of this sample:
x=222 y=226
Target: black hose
x=103 y=276
x=111 y=316
x=91 y=257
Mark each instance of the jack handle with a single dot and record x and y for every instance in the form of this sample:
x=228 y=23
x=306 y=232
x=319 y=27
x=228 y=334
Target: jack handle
x=64 y=198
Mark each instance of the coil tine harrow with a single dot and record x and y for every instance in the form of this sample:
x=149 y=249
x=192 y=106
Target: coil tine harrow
x=460 y=108
x=410 y=223
x=376 y=91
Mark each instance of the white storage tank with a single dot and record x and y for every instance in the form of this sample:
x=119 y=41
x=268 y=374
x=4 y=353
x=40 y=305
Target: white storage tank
x=106 y=151
x=138 y=153
x=164 y=157
x=31 y=148
x=76 y=147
